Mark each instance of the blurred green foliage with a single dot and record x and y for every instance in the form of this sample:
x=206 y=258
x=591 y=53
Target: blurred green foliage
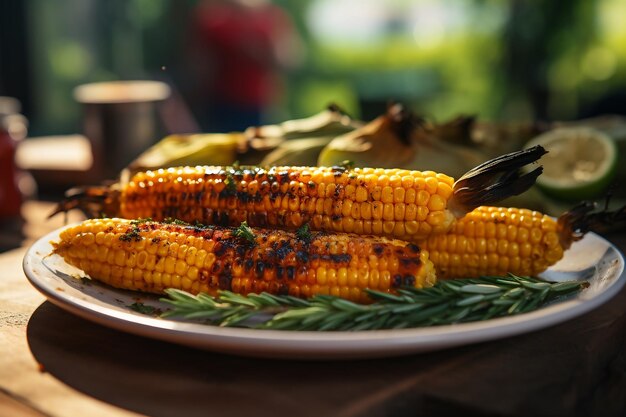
x=503 y=60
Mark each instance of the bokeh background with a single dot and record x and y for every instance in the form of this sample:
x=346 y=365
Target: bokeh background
x=499 y=60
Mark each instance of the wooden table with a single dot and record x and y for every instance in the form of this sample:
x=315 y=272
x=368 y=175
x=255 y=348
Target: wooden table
x=55 y=364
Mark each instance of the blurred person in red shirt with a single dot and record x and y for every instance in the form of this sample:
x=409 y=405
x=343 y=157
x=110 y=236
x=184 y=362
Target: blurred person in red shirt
x=239 y=49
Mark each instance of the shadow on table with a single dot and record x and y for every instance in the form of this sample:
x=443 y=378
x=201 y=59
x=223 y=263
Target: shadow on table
x=162 y=379
x=11 y=233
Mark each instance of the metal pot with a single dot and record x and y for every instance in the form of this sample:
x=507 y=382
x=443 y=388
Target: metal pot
x=120 y=119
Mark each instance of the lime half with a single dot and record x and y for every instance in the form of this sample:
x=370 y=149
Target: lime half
x=579 y=165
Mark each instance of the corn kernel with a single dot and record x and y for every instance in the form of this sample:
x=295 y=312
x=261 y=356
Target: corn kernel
x=170 y=265
x=176 y=281
x=209 y=260
x=384 y=280
x=377 y=210
x=166 y=280
x=181 y=267
x=321 y=276
x=535 y=235
x=432 y=185
x=410 y=196
x=522 y=235
x=388 y=227
x=388 y=211
x=436 y=203
x=399 y=195
x=399 y=231
x=350 y=192
x=361 y=194
x=444 y=190
x=422 y=198
x=425 y=229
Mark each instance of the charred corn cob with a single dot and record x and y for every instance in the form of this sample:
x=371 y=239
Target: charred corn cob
x=151 y=256
x=402 y=204
x=497 y=241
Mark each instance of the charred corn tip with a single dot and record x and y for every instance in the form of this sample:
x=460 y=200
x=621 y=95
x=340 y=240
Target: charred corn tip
x=92 y=201
x=496 y=241
x=495 y=180
x=151 y=256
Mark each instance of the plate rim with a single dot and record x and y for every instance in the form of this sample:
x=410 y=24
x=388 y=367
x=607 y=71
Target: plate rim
x=315 y=344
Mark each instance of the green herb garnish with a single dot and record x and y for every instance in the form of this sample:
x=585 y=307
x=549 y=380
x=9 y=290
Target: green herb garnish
x=245 y=232
x=304 y=233
x=143 y=309
x=231 y=184
x=177 y=222
x=131 y=234
x=141 y=221
x=450 y=301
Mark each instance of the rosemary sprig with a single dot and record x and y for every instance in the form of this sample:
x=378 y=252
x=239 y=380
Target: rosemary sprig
x=448 y=302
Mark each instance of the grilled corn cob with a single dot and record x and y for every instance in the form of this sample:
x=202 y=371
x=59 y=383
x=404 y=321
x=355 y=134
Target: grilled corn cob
x=402 y=204
x=497 y=241
x=150 y=256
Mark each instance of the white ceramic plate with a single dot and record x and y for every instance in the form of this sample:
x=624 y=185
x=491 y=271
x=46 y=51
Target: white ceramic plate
x=592 y=258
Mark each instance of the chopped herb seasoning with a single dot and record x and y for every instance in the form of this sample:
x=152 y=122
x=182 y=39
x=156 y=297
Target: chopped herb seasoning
x=231 y=184
x=143 y=309
x=131 y=234
x=141 y=221
x=170 y=220
x=304 y=233
x=245 y=232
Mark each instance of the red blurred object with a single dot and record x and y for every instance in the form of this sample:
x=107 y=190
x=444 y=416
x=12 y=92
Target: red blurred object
x=238 y=52
x=10 y=195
